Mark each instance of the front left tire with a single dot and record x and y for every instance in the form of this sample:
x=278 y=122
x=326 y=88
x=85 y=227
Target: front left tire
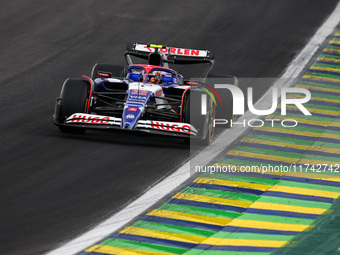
x=74 y=98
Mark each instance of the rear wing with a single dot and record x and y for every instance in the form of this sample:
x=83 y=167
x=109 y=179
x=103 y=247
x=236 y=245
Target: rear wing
x=174 y=55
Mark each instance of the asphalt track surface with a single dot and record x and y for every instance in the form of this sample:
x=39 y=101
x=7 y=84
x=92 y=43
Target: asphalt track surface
x=55 y=186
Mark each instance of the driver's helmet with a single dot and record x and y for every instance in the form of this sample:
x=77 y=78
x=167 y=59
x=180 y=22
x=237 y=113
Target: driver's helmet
x=155 y=77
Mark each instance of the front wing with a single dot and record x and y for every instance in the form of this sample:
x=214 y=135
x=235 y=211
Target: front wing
x=149 y=126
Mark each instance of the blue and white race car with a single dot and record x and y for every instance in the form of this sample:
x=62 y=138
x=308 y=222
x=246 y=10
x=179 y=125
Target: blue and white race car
x=149 y=97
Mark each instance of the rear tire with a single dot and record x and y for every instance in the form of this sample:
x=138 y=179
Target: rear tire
x=113 y=70
x=224 y=111
x=74 y=99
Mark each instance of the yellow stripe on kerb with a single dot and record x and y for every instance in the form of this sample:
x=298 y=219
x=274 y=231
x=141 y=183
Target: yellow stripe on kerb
x=267 y=225
x=316 y=98
x=246 y=185
x=335 y=70
x=306 y=121
x=211 y=200
x=190 y=217
x=106 y=249
x=320 y=78
x=263 y=156
x=324 y=149
x=318 y=161
x=331 y=50
x=291 y=145
x=335 y=124
x=273 y=143
x=302 y=191
x=243 y=242
x=332 y=136
x=318 y=88
x=281 y=158
x=163 y=235
x=334 y=42
x=301 y=133
x=287 y=130
x=329 y=59
x=287 y=208
x=312 y=110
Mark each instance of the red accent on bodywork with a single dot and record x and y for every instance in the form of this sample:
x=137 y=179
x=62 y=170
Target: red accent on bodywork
x=215 y=92
x=191 y=83
x=107 y=75
x=91 y=83
x=211 y=88
x=174 y=127
x=146 y=47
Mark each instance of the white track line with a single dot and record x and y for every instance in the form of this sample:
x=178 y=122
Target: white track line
x=168 y=185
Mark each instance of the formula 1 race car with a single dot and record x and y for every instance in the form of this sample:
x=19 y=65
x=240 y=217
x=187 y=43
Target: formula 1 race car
x=149 y=97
